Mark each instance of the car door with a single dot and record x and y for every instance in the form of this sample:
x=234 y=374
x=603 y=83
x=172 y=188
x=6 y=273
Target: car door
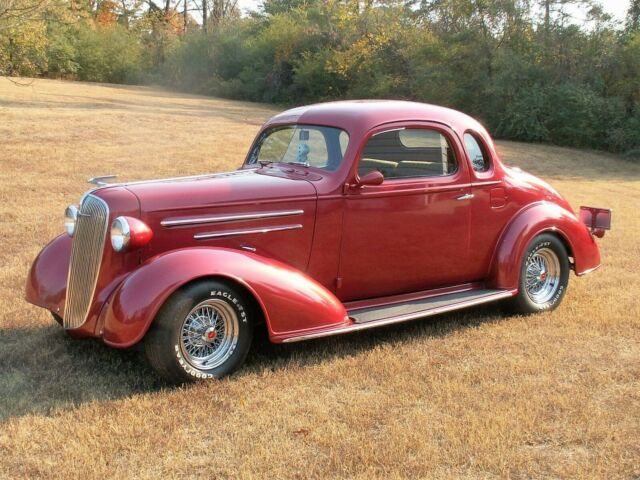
x=491 y=209
x=411 y=232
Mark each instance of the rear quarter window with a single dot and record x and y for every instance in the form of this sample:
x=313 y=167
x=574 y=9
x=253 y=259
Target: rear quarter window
x=477 y=153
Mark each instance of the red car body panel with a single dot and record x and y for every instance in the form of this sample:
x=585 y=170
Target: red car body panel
x=47 y=279
x=56 y=257
x=533 y=220
x=291 y=302
x=331 y=242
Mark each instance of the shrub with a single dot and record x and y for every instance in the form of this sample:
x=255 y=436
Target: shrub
x=525 y=117
x=633 y=155
x=187 y=66
x=61 y=51
x=110 y=54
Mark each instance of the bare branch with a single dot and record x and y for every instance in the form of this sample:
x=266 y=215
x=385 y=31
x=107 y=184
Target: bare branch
x=20 y=84
x=17 y=12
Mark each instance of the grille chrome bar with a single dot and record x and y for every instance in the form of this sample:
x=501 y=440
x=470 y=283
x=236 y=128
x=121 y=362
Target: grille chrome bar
x=86 y=257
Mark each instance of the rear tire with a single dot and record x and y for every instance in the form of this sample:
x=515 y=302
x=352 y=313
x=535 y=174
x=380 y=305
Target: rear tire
x=203 y=331
x=544 y=276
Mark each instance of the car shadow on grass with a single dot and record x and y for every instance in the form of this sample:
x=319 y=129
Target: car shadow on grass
x=43 y=370
x=265 y=354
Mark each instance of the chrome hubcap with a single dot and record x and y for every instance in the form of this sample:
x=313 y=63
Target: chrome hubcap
x=542 y=276
x=209 y=334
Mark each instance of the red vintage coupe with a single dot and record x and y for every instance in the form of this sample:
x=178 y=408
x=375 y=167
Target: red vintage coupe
x=344 y=216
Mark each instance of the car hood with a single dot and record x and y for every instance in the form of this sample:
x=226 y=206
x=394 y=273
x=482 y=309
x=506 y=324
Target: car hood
x=232 y=188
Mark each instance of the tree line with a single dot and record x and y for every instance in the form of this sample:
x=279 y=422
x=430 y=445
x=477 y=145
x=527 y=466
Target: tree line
x=526 y=68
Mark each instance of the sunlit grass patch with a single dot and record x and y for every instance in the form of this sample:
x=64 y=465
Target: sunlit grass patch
x=472 y=394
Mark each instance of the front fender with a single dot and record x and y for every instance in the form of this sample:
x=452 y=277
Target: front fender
x=290 y=300
x=47 y=280
x=533 y=220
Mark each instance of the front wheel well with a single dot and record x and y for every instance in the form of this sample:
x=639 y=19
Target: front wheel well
x=260 y=314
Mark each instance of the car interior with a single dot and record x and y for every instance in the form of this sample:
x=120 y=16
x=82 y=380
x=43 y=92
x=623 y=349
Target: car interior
x=406 y=153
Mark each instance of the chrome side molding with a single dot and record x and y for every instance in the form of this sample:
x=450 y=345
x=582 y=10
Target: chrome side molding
x=212 y=219
x=246 y=231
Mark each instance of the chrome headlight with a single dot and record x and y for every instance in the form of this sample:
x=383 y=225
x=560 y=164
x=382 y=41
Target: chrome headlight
x=120 y=234
x=70 y=219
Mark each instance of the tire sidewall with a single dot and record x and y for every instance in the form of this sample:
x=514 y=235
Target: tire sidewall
x=537 y=244
x=198 y=294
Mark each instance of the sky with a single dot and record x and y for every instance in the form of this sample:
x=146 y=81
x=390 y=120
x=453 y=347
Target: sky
x=616 y=8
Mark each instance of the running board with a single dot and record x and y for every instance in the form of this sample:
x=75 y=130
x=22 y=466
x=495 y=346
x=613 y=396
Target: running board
x=425 y=306
x=372 y=317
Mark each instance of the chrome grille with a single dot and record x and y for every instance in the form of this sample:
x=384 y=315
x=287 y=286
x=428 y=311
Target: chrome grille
x=86 y=256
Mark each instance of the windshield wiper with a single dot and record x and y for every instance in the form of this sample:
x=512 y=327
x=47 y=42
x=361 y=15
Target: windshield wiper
x=297 y=163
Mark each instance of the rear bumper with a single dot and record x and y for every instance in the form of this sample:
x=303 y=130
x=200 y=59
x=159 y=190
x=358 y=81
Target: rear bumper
x=585 y=272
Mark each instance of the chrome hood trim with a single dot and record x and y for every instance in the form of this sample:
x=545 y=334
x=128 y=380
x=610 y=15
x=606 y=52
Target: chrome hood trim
x=213 y=219
x=246 y=231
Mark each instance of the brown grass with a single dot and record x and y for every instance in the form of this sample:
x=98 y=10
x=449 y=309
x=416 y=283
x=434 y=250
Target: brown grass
x=475 y=395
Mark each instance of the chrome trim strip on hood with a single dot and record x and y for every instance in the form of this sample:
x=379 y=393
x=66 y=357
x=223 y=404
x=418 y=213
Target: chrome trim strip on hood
x=247 y=231
x=175 y=222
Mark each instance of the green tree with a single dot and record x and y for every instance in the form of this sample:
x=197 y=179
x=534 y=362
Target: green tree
x=633 y=16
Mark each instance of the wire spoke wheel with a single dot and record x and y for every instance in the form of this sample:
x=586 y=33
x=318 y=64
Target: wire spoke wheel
x=209 y=334
x=203 y=331
x=542 y=276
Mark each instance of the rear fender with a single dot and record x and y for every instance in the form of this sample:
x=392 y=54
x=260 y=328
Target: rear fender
x=290 y=300
x=542 y=217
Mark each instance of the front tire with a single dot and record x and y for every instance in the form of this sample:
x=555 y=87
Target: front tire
x=544 y=276
x=203 y=330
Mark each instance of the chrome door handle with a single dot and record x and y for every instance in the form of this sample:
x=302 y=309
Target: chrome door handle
x=466 y=196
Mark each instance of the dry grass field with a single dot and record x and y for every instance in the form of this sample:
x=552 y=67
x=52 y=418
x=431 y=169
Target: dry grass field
x=476 y=394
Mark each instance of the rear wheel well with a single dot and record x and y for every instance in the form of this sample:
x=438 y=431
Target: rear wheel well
x=544 y=274
x=566 y=244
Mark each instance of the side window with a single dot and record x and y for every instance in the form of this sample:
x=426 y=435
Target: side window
x=479 y=160
x=408 y=153
x=343 y=139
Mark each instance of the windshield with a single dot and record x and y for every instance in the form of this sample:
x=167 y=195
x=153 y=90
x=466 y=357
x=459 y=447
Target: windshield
x=308 y=145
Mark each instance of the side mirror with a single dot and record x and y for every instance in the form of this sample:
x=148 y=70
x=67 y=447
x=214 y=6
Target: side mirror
x=374 y=177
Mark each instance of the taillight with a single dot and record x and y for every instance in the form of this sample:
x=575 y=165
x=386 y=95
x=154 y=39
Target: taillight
x=597 y=220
